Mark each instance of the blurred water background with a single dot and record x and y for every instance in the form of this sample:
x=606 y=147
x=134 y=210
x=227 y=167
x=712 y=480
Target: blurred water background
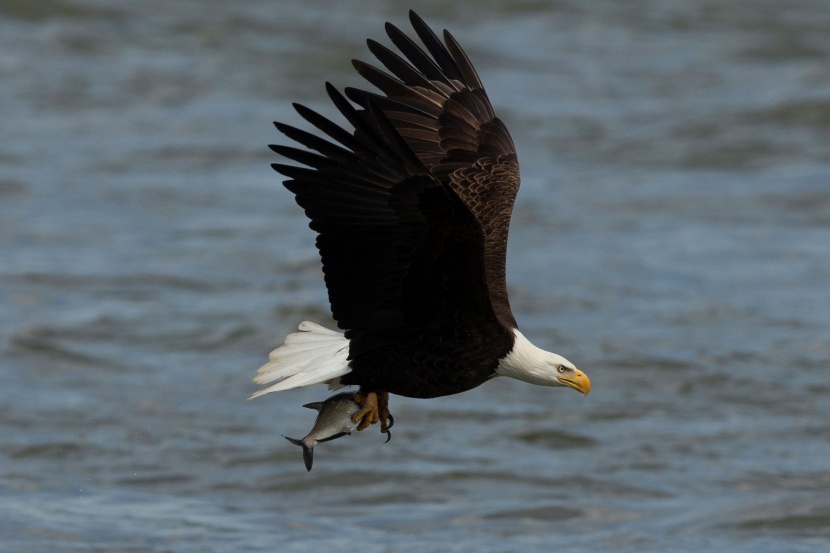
x=671 y=237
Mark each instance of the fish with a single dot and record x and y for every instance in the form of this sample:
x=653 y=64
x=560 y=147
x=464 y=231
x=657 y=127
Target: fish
x=334 y=420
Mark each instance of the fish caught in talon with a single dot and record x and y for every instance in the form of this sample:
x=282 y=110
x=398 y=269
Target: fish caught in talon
x=334 y=420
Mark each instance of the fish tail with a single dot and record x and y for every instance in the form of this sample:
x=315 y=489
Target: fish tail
x=308 y=452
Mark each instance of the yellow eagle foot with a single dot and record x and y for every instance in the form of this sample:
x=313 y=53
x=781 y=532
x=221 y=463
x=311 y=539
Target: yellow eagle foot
x=374 y=407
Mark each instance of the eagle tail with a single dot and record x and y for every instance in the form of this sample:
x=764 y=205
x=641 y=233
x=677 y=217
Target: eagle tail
x=311 y=356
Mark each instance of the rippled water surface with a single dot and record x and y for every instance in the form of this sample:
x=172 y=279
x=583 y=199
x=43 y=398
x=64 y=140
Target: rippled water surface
x=671 y=237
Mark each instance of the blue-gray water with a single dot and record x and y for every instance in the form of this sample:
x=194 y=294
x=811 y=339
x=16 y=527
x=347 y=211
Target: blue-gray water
x=672 y=237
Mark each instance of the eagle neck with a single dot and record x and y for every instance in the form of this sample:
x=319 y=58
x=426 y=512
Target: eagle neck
x=526 y=362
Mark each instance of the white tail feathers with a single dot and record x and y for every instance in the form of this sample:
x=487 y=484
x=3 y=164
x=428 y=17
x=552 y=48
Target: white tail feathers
x=313 y=355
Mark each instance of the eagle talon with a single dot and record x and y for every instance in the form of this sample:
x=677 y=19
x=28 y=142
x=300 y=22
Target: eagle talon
x=374 y=407
x=368 y=413
x=388 y=426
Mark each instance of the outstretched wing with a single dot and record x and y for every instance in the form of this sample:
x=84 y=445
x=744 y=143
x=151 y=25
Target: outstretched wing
x=403 y=256
x=437 y=104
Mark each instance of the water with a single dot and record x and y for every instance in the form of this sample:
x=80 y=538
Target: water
x=671 y=237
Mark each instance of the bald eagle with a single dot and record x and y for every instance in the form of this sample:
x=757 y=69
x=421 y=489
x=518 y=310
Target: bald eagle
x=411 y=209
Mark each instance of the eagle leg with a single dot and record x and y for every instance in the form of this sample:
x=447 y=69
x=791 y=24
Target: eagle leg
x=374 y=407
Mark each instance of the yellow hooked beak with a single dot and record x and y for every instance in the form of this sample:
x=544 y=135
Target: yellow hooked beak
x=579 y=382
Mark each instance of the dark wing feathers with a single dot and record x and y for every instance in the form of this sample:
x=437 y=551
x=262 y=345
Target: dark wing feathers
x=385 y=224
x=419 y=59
x=413 y=207
x=465 y=66
x=439 y=52
x=438 y=105
x=398 y=66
